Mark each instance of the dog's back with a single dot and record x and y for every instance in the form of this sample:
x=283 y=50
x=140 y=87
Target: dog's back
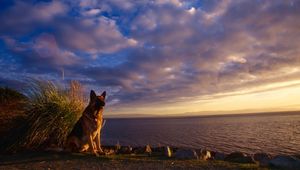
x=73 y=140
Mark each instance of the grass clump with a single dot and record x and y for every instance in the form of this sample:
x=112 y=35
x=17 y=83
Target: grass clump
x=52 y=112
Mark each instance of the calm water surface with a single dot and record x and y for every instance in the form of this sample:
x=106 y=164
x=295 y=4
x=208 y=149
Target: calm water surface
x=275 y=134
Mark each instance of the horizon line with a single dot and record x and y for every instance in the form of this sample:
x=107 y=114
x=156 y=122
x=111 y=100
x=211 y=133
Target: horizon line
x=184 y=115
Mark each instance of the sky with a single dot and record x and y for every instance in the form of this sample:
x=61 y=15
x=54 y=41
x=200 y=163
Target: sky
x=159 y=57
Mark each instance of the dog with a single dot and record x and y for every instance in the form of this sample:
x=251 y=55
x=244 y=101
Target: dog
x=86 y=132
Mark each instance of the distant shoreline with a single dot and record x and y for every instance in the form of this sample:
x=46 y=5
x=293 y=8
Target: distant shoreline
x=207 y=116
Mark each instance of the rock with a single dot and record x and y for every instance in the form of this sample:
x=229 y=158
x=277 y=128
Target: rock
x=167 y=152
x=138 y=150
x=148 y=150
x=219 y=156
x=125 y=150
x=204 y=155
x=142 y=150
x=158 y=149
x=109 y=151
x=186 y=154
x=285 y=162
x=239 y=157
x=118 y=146
x=162 y=151
x=262 y=158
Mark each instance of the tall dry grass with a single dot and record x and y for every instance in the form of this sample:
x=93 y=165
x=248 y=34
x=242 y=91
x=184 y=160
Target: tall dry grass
x=51 y=114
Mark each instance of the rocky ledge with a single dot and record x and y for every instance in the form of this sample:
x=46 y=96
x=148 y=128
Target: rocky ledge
x=262 y=159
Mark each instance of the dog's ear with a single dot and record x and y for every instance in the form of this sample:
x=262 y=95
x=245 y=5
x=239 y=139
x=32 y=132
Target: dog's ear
x=104 y=94
x=93 y=95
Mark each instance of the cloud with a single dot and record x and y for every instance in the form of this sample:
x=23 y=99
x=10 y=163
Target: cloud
x=46 y=47
x=177 y=3
x=22 y=16
x=39 y=56
x=159 y=51
x=92 y=12
x=88 y=32
x=96 y=35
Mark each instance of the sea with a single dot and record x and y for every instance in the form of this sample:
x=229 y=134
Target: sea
x=277 y=133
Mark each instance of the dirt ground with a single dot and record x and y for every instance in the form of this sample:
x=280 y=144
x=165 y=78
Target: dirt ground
x=49 y=161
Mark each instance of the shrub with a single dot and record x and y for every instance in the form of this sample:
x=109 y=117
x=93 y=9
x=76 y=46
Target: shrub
x=12 y=106
x=51 y=114
x=8 y=95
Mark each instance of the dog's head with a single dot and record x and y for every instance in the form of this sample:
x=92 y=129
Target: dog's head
x=97 y=103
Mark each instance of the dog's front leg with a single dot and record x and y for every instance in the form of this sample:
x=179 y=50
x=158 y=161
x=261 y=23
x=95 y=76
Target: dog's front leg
x=98 y=144
x=92 y=145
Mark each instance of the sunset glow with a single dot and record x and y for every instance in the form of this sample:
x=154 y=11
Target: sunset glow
x=280 y=97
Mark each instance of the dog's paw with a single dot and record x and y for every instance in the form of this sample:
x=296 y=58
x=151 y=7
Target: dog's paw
x=96 y=154
x=100 y=151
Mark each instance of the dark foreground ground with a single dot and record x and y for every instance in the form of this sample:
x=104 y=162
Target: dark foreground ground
x=84 y=161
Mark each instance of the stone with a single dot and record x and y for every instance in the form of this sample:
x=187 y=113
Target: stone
x=219 y=156
x=118 y=146
x=158 y=149
x=239 y=157
x=285 y=162
x=109 y=151
x=125 y=150
x=148 y=150
x=167 y=152
x=204 y=155
x=263 y=159
x=186 y=154
x=138 y=150
x=142 y=150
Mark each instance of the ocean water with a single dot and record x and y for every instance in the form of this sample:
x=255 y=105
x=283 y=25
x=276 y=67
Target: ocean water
x=271 y=133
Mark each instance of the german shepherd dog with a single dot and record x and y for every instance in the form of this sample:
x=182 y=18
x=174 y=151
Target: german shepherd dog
x=86 y=132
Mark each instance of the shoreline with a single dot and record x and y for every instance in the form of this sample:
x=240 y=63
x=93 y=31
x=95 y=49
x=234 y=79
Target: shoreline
x=54 y=160
x=116 y=157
